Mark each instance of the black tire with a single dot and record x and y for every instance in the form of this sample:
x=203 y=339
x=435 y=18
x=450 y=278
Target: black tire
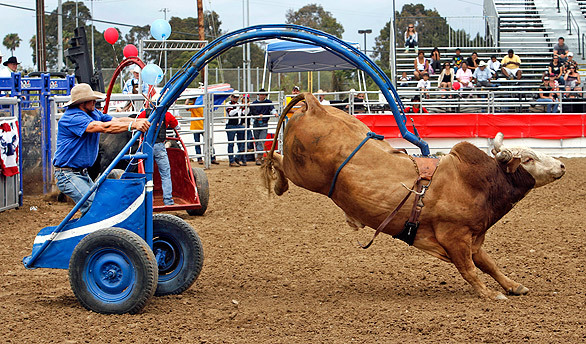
x=203 y=189
x=179 y=254
x=113 y=271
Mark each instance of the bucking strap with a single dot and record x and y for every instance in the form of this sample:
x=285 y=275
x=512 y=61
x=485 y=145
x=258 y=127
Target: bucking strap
x=369 y=135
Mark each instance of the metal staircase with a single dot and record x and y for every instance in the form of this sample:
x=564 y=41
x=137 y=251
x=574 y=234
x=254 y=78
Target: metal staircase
x=521 y=27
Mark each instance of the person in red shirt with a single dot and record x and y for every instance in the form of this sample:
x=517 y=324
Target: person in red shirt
x=416 y=106
x=160 y=154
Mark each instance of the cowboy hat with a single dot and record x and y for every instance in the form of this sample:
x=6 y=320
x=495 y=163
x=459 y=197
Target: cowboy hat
x=83 y=93
x=482 y=64
x=11 y=59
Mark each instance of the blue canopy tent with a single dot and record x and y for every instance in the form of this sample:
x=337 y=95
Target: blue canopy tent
x=288 y=56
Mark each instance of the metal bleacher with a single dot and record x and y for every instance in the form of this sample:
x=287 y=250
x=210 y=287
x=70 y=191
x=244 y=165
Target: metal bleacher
x=522 y=29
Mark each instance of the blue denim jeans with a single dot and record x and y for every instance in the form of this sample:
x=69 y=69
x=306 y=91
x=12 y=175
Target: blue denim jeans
x=196 y=138
x=75 y=185
x=160 y=154
x=239 y=135
x=551 y=108
x=260 y=134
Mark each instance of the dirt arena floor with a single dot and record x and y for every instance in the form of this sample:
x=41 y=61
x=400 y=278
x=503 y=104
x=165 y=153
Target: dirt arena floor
x=288 y=270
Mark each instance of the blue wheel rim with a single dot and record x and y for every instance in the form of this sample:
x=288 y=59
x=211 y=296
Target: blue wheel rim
x=110 y=275
x=170 y=257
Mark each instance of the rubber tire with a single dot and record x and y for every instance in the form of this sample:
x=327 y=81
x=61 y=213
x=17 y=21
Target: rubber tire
x=123 y=251
x=203 y=189
x=179 y=253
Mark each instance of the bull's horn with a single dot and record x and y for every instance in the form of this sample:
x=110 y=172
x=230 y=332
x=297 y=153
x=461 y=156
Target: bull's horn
x=497 y=143
x=504 y=156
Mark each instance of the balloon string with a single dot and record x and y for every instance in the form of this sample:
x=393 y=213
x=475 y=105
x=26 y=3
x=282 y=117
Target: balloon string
x=115 y=57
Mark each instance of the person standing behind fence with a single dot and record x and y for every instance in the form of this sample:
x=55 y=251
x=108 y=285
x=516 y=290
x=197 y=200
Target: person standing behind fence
x=234 y=130
x=11 y=66
x=198 y=126
x=411 y=38
x=261 y=114
x=78 y=137
x=128 y=85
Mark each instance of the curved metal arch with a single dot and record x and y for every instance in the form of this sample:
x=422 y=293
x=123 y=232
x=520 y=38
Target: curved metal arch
x=173 y=89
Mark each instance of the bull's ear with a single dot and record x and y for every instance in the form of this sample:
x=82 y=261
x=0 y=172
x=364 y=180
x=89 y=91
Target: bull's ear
x=512 y=165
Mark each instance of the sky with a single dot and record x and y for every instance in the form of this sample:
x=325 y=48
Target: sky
x=371 y=14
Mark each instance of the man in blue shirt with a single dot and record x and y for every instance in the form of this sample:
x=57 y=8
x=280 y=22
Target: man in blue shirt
x=482 y=75
x=78 y=137
x=261 y=114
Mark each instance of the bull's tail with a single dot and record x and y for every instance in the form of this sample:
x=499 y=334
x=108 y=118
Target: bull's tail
x=268 y=172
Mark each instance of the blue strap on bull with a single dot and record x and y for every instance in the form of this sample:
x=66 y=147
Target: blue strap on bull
x=369 y=135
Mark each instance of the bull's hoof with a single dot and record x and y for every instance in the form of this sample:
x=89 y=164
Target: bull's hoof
x=520 y=290
x=500 y=296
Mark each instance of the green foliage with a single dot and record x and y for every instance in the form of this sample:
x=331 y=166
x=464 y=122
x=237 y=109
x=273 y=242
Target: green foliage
x=314 y=16
x=11 y=42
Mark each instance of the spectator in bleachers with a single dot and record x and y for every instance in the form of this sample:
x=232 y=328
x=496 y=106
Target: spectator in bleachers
x=548 y=95
x=436 y=63
x=556 y=70
x=416 y=106
x=464 y=76
x=421 y=65
x=322 y=97
x=573 y=82
x=494 y=66
x=424 y=85
x=411 y=39
x=511 y=66
x=473 y=61
x=570 y=62
x=446 y=78
x=561 y=50
x=457 y=60
x=482 y=76
x=404 y=80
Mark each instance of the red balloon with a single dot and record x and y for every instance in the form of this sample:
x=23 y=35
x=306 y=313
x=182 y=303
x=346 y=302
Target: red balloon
x=456 y=85
x=130 y=51
x=111 y=35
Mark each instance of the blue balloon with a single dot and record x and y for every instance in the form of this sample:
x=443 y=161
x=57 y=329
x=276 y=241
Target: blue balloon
x=152 y=74
x=161 y=29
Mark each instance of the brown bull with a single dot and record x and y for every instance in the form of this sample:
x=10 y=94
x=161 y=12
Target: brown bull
x=469 y=192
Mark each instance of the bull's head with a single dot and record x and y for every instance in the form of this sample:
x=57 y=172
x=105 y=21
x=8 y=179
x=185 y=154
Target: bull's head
x=543 y=168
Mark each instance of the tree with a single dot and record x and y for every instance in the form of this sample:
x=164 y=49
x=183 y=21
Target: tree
x=11 y=42
x=314 y=16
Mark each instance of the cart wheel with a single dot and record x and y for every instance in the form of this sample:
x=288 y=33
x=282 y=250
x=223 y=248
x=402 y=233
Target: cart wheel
x=179 y=254
x=203 y=190
x=113 y=271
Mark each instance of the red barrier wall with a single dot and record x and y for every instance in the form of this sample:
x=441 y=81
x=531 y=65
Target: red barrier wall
x=466 y=125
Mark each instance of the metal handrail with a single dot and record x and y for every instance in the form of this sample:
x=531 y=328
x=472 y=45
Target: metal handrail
x=571 y=22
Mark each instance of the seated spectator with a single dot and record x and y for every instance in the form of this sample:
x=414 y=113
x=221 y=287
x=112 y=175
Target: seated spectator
x=424 y=85
x=411 y=39
x=436 y=60
x=494 y=66
x=473 y=61
x=572 y=79
x=457 y=60
x=511 y=66
x=404 y=80
x=421 y=65
x=547 y=95
x=570 y=62
x=482 y=75
x=561 y=50
x=556 y=70
x=446 y=78
x=416 y=106
x=464 y=76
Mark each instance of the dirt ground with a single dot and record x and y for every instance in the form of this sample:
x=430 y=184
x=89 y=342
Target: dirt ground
x=288 y=270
